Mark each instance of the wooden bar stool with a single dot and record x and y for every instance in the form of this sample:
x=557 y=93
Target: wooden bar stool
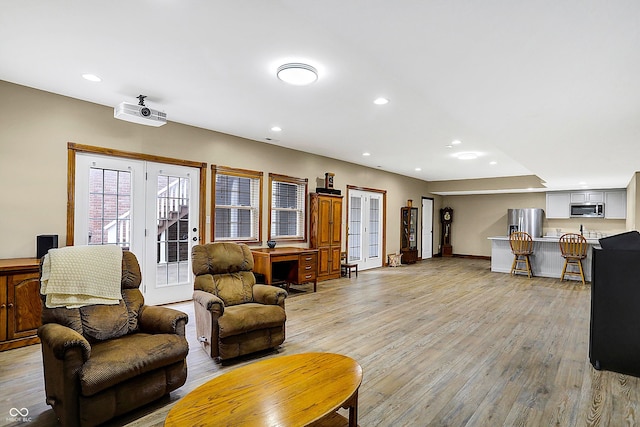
x=521 y=247
x=573 y=247
x=346 y=267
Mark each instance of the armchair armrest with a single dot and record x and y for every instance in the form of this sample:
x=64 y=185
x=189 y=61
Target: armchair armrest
x=267 y=294
x=59 y=339
x=210 y=302
x=162 y=320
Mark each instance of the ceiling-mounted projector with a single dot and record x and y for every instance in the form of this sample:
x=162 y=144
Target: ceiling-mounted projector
x=139 y=113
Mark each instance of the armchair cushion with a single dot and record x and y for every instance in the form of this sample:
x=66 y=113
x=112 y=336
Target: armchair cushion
x=116 y=361
x=243 y=318
x=103 y=322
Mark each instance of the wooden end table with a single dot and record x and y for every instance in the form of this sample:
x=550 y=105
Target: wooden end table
x=294 y=390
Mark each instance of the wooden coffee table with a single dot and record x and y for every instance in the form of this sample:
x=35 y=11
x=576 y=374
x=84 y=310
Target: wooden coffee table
x=294 y=390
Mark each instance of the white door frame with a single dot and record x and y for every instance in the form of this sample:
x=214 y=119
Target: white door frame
x=427 y=227
x=364 y=235
x=143 y=216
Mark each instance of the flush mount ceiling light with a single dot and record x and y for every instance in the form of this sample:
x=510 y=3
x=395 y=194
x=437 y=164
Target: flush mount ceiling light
x=297 y=74
x=91 y=77
x=467 y=156
x=381 y=101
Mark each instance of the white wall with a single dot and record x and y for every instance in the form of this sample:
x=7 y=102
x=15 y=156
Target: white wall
x=36 y=127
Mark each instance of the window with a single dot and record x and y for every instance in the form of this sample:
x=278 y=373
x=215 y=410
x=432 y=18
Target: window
x=109 y=207
x=237 y=198
x=287 y=208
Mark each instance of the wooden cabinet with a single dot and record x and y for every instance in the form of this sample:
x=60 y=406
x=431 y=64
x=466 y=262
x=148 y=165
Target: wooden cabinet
x=615 y=204
x=20 y=304
x=409 y=235
x=558 y=205
x=587 y=197
x=326 y=233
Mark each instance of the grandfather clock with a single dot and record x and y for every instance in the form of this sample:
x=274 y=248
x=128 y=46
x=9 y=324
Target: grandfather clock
x=446 y=218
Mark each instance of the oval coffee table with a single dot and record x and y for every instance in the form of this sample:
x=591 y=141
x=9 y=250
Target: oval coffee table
x=293 y=390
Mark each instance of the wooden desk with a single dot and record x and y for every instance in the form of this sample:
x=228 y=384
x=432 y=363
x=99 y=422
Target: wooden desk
x=295 y=390
x=291 y=265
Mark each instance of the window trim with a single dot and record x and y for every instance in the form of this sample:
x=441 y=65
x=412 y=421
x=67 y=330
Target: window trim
x=290 y=180
x=243 y=173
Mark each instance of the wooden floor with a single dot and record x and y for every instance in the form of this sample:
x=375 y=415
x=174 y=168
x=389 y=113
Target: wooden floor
x=442 y=342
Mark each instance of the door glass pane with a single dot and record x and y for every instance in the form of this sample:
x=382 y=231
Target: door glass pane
x=109 y=207
x=355 y=228
x=374 y=227
x=172 y=205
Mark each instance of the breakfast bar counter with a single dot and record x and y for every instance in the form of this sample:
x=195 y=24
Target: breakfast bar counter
x=546 y=260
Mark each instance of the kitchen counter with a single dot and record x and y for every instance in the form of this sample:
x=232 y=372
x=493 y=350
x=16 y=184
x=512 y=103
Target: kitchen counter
x=546 y=260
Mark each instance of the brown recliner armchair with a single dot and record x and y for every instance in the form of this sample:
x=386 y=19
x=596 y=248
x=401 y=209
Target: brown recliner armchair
x=101 y=361
x=234 y=315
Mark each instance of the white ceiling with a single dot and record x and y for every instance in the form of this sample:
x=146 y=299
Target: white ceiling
x=548 y=88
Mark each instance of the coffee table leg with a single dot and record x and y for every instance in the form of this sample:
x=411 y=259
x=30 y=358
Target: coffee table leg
x=353 y=411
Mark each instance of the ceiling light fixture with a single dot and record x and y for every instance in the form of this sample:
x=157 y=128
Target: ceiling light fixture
x=297 y=74
x=366 y=154
x=276 y=128
x=493 y=163
x=467 y=156
x=418 y=169
x=456 y=142
x=91 y=77
x=381 y=101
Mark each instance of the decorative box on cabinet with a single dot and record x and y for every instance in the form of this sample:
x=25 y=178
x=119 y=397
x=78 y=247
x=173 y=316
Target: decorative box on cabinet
x=326 y=233
x=409 y=235
x=20 y=304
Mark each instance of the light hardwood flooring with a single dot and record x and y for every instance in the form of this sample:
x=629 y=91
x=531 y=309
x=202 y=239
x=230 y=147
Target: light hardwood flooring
x=444 y=342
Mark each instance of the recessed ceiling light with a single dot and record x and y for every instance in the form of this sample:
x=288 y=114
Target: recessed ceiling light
x=449 y=146
x=91 y=77
x=276 y=128
x=381 y=101
x=366 y=154
x=493 y=163
x=456 y=142
x=467 y=156
x=297 y=74
x=418 y=169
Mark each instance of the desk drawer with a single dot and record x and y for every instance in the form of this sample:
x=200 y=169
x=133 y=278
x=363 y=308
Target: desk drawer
x=308 y=268
x=311 y=258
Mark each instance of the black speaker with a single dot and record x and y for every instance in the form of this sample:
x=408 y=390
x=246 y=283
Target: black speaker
x=44 y=242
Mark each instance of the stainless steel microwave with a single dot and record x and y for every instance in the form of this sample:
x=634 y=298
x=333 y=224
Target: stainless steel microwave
x=589 y=210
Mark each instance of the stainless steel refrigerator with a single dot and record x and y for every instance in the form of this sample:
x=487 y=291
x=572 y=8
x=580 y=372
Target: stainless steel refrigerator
x=527 y=219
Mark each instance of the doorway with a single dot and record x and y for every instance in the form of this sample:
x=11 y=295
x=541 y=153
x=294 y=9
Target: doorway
x=427 y=227
x=365 y=225
x=149 y=208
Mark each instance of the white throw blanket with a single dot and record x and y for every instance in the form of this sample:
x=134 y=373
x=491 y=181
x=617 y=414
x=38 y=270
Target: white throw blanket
x=75 y=276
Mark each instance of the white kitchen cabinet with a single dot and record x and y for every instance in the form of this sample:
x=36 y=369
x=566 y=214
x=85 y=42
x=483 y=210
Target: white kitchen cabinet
x=558 y=205
x=587 y=197
x=615 y=204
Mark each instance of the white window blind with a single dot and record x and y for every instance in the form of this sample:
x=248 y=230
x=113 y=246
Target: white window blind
x=237 y=195
x=287 y=208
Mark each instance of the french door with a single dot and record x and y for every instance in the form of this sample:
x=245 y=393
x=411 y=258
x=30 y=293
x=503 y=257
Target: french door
x=427 y=228
x=365 y=224
x=148 y=208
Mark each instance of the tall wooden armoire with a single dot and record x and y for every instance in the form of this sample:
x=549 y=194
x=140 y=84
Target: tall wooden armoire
x=326 y=233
